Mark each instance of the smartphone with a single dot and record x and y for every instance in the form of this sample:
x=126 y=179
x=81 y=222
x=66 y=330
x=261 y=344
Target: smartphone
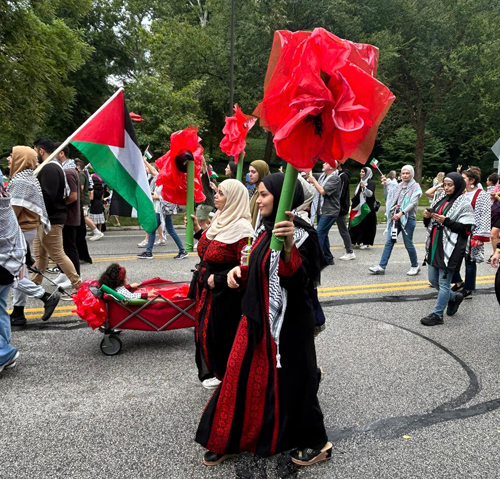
x=430 y=210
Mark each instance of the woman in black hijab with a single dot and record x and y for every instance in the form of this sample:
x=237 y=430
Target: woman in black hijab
x=267 y=402
x=449 y=223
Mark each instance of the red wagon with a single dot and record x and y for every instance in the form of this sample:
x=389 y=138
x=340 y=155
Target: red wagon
x=168 y=309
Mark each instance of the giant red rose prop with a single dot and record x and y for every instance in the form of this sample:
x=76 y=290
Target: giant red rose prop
x=321 y=98
x=172 y=167
x=235 y=132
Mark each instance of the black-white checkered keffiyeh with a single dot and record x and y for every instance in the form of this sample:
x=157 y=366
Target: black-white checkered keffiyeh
x=278 y=296
x=25 y=191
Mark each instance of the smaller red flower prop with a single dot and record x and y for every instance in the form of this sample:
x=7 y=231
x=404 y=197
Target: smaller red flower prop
x=136 y=117
x=321 y=98
x=235 y=132
x=88 y=306
x=172 y=166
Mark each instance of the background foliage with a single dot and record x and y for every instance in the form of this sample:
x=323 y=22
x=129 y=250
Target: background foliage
x=60 y=60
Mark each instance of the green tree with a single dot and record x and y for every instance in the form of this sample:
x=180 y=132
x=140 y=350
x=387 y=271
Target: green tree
x=38 y=52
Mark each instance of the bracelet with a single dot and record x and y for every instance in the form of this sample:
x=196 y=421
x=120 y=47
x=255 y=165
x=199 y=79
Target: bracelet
x=286 y=251
x=498 y=250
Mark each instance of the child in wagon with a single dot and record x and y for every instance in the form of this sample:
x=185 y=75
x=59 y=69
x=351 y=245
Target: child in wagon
x=115 y=277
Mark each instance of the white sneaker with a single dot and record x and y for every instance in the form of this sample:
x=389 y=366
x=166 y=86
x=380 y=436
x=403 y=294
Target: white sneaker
x=143 y=244
x=377 y=270
x=65 y=283
x=348 y=256
x=161 y=242
x=212 y=383
x=60 y=278
x=414 y=270
x=96 y=236
x=364 y=246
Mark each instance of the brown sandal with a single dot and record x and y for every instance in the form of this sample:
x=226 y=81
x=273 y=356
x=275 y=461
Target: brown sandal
x=307 y=457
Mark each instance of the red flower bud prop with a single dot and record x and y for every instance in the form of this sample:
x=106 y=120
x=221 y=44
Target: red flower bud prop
x=88 y=306
x=321 y=98
x=172 y=175
x=235 y=132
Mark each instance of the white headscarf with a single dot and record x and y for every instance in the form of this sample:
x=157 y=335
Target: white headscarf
x=234 y=222
x=368 y=175
x=411 y=182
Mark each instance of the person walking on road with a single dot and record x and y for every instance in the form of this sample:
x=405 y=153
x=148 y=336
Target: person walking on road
x=326 y=205
x=55 y=190
x=345 y=204
x=403 y=214
x=218 y=307
x=27 y=201
x=12 y=257
x=449 y=224
x=364 y=231
x=480 y=202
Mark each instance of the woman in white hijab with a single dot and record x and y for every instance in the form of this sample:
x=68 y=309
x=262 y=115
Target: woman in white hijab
x=363 y=225
x=403 y=212
x=218 y=308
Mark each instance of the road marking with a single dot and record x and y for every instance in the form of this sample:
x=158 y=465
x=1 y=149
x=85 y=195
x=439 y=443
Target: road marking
x=193 y=254
x=349 y=290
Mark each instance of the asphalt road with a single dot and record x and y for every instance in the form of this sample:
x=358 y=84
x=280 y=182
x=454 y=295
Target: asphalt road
x=400 y=400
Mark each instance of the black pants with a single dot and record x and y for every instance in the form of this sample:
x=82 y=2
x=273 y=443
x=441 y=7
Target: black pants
x=69 y=245
x=81 y=242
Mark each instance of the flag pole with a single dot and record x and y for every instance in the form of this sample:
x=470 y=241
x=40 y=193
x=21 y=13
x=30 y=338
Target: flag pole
x=68 y=140
x=285 y=203
x=190 y=206
x=239 y=170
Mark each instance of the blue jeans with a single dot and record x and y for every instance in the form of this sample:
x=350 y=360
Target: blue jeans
x=324 y=225
x=169 y=225
x=408 y=241
x=441 y=280
x=470 y=275
x=7 y=351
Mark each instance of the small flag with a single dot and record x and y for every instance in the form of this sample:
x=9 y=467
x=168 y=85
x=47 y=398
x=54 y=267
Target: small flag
x=147 y=154
x=496 y=149
x=374 y=163
x=108 y=140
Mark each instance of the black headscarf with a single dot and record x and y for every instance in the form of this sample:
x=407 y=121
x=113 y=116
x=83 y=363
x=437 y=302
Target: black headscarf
x=234 y=169
x=459 y=183
x=253 y=302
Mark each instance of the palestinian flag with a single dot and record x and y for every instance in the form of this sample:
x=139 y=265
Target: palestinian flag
x=359 y=212
x=108 y=141
x=147 y=154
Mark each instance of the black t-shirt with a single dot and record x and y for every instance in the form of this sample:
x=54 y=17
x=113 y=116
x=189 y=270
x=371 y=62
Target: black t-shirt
x=51 y=178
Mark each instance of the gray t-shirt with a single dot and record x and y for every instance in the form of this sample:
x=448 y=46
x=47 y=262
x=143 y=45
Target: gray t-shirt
x=332 y=185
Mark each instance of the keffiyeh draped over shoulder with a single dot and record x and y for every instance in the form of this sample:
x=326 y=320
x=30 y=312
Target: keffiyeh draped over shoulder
x=24 y=188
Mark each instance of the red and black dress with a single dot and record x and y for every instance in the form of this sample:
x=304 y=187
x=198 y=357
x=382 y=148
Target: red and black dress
x=218 y=310
x=259 y=407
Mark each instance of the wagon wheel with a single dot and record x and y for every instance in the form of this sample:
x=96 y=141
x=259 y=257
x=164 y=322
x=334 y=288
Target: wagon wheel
x=111 y=345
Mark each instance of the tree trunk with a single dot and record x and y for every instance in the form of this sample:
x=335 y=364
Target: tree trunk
x=269 y=148
x=419 y=151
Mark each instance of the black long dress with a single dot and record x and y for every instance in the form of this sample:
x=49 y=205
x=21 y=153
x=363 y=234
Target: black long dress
x=218 y=310
x=364 y=233
x=259 y=407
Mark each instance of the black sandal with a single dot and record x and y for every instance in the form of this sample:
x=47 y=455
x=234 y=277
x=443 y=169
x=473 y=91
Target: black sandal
x=213 y=459
x=307 y=457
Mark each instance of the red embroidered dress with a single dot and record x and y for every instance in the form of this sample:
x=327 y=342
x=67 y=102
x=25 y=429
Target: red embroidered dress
x=218 y=310
x=258 y=407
